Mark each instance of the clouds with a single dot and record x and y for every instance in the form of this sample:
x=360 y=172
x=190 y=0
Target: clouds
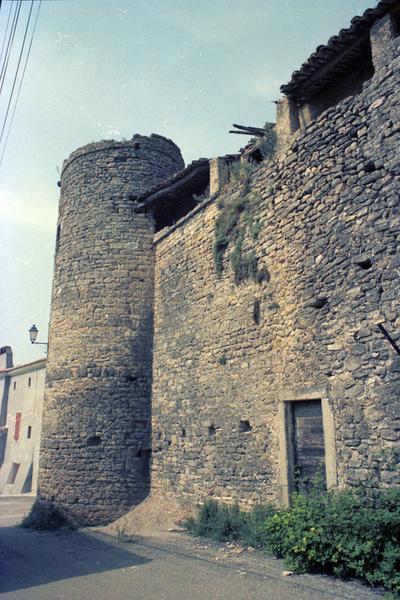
x=217 y=23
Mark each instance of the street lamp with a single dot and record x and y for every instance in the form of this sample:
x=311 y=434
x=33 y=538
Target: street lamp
x=33 y=335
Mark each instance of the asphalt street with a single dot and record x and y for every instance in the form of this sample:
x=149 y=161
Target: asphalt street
x=88 y=565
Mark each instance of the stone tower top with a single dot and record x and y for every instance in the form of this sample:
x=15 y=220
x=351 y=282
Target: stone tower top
x=153 y=142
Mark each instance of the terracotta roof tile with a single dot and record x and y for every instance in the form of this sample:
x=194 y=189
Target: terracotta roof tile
x=337 y=44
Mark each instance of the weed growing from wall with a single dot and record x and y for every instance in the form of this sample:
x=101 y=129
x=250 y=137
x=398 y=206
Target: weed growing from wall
x=237 y=224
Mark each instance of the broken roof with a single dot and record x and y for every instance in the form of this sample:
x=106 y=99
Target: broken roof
x=180 y=186
x=329 y=60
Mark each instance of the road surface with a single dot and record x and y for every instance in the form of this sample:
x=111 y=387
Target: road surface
x=88 y=565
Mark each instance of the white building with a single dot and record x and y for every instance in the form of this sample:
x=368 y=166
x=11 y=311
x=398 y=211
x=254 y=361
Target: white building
x=21 y=397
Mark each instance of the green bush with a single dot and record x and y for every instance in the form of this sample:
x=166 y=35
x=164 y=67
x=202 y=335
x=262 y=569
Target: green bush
x=347 y=534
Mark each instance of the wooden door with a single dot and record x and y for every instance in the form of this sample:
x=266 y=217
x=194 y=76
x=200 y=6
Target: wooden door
x=308 y=449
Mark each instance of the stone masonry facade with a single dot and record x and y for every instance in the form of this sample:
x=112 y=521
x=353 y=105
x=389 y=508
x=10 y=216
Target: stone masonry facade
x=151 y=349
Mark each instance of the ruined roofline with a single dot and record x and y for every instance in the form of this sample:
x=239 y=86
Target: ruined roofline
x=185 y=182
x=349 y=42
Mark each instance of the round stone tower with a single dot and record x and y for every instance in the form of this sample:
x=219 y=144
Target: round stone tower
x=95 y=447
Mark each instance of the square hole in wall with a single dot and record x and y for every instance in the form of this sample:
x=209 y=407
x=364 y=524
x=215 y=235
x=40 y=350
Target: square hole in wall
x=244 y=426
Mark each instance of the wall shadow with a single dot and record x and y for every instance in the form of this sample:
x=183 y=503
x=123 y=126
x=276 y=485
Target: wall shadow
x=30 y=558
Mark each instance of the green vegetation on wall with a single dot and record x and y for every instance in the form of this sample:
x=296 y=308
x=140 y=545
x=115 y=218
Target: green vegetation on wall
x=237 y=227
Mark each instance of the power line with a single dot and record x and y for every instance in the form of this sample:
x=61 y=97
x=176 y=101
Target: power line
x=16 y=73
x=9 y=44
x=5 y=33
x=21 y=80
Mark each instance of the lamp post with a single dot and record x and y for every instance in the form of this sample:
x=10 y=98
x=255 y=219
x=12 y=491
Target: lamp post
x=33 y=335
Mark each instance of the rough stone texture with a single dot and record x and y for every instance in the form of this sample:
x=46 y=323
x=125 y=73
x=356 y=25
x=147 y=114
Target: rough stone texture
x=97 y=416
x=330 y=206
x=227 y=357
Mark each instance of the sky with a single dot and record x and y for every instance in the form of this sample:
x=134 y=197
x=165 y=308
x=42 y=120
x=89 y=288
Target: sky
x=106 y=69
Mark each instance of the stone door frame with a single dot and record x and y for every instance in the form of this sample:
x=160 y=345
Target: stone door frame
x=285 y=398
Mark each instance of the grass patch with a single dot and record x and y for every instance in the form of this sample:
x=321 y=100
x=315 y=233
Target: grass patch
x=347 y=534
x=229 y=523
x=45 y=517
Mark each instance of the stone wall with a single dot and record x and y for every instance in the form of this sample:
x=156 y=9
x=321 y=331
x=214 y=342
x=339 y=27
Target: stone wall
x=228 y=358
x=97 y=417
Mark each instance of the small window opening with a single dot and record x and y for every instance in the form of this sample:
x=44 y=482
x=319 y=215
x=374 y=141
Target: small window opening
x=58 y=235
x=136 y=146
x=364 y=264
x=145 y=455
x=211 y=430
x=244 y=426
x=13 y=473
x=29 y=382
x=15 y=385
x=183 y=432
x=256 y=311
x=29 y=432
x=93 y=440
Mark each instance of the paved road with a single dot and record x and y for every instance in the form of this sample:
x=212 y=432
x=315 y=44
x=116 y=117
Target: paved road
x=93 y=566
x=14 y=508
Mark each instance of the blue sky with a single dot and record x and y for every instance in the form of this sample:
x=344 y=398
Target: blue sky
x=102 y=69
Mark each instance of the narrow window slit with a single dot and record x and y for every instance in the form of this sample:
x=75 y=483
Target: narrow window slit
x=256 y=311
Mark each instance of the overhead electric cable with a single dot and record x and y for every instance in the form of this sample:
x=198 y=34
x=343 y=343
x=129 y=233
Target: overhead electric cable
x=16 y=73
x=5 y=33
x=9 y=44
x=20 y=83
